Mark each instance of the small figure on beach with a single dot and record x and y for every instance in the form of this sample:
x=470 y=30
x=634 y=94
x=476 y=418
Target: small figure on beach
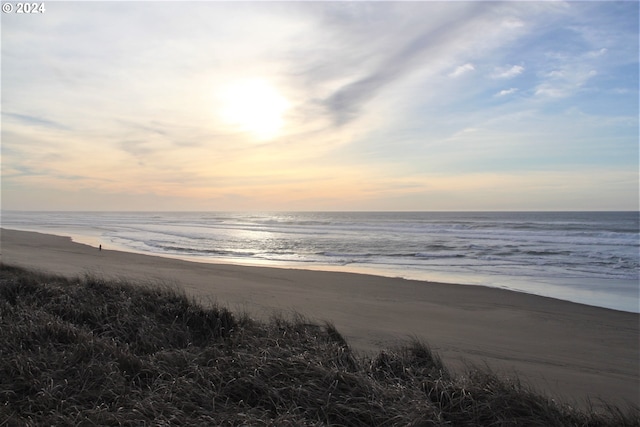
x=100 y=247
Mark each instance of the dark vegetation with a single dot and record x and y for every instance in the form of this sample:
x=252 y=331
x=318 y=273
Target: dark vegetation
x=91 y=352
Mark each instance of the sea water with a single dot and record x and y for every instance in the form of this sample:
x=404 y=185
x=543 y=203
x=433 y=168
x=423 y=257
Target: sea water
x=586 y=257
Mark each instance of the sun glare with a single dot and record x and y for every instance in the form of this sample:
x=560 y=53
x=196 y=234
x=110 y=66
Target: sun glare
x=255 y=107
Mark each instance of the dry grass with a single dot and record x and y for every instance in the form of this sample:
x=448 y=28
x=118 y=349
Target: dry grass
x=88 y=352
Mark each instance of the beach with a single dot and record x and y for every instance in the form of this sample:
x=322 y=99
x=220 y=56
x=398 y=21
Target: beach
x=567 y=350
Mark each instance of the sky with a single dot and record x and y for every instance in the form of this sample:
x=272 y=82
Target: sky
x=262 y=106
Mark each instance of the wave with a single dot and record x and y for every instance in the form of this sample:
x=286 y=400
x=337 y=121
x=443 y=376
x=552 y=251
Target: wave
x=588 y=245
x=205 y=252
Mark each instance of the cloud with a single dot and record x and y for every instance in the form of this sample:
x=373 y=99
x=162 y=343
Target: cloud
x=505 y=92
x=462 y=69
x=512 y=23
x=597 y=53
x=408 y=54
x=508 y=72
x=36 y=121
x=564 y=83
x=373 y=87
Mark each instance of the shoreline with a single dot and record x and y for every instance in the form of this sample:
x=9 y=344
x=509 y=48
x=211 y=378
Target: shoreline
x=569 y=350
x=530 y=286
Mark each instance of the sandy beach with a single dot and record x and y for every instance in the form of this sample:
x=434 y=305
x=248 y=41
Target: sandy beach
x=570 y=351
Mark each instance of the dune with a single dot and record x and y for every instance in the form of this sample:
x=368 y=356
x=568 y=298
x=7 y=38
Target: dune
x=570 y=351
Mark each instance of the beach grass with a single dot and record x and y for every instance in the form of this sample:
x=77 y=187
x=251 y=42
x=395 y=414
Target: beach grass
x=89 y=351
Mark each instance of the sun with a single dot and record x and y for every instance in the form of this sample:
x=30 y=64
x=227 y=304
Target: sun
x=254 y=106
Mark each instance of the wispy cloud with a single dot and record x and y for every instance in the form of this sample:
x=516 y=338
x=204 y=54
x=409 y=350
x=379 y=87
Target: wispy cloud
x=505 y=92
x=462 y=69
x=408 y=53
x=385 y=101
x=508 y=72
x=563 y=83
x=32 y=120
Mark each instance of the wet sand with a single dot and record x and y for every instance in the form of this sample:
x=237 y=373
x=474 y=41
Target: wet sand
x=569 y=351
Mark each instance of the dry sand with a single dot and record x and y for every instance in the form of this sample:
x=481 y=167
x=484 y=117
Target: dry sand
x=570 y=351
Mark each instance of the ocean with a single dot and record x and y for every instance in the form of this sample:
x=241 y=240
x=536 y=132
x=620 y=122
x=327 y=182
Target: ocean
x=585 y=257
